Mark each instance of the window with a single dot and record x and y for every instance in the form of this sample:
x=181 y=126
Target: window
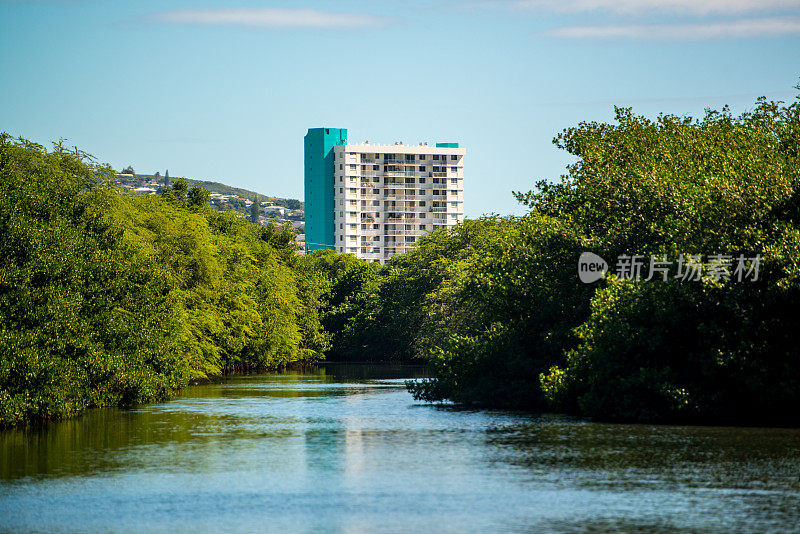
x=436 y=157
x=376 y=202
x=435 y=180
x=435 y=191
x=341 y=189
x=421 y=226
x=353 y=167
x=421 y=215
x=376 y=167
x=421 y=203
x=422 y=192
x=376 y=226
x=341 y=166
x=422 y=168
x=341 y=238
x=422 y=180
x=422 y=158
x=453 y=169
x=453 y=180
x=340 y=178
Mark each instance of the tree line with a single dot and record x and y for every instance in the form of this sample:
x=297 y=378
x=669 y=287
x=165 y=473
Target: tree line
x=114 y=299
x=496 y=306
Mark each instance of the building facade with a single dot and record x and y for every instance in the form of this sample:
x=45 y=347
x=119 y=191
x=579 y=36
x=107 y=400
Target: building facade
x=318 y=147
x=384 y=197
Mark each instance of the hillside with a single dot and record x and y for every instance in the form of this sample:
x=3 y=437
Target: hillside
x=214 y=187
x=223 y=189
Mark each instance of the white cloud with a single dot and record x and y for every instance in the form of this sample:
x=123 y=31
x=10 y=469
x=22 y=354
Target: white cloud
x=647 y=7
x=764 y=27
x=268 y=18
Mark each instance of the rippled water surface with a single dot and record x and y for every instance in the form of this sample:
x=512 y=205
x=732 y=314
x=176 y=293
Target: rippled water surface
x=346 y=449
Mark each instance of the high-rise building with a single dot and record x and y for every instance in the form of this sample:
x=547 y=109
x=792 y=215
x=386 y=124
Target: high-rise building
x=375 y=201
x=319 y=183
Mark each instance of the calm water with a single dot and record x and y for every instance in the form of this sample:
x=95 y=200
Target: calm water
x=345 y=449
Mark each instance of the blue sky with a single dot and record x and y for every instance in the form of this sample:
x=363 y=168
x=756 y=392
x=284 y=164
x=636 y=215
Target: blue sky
x=226 y=90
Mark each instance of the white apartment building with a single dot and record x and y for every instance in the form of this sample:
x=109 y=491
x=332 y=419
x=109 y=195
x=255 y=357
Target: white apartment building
x=387 y=196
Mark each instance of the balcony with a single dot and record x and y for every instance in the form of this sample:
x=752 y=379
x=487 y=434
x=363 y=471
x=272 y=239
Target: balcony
x=404 y=232
x=395 y=196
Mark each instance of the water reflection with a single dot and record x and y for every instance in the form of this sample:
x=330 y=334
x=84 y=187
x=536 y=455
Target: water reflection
x=344 y=448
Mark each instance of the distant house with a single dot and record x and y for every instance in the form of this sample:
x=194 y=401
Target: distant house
x=300 y=242
x=276 y=211
x=144 y=191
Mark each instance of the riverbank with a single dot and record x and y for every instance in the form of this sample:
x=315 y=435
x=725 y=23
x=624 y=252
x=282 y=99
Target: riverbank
x=113 y=299
x=657 y=281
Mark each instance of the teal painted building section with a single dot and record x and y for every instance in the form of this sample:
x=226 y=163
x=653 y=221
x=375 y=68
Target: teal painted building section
x=446 y=145
x=319 y=185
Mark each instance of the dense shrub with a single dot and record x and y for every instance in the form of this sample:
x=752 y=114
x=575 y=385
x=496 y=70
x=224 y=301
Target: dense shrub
x=114 y=299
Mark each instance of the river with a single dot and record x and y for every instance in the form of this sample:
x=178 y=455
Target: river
x=344 y=448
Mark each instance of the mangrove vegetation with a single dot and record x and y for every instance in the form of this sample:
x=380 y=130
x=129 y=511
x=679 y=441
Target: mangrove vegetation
x=115 y=299
x=497 y=309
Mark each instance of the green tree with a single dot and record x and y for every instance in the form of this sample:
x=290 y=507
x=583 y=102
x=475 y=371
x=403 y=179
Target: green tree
x=110 y=299
x=255 y=208
x=197 y=196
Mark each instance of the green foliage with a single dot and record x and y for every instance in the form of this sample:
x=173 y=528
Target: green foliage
x=345 y=283
x=197 y=196
x=712 y=351
x=504 y=311
x=112 y=299
x=254 y=209
x=496 y=306
x=223 y=189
